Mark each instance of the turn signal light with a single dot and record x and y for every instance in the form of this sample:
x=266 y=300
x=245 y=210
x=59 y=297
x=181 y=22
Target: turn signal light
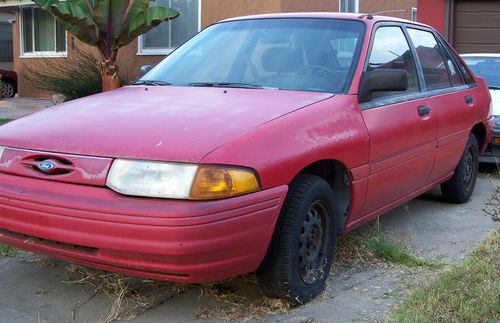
x=213 y=182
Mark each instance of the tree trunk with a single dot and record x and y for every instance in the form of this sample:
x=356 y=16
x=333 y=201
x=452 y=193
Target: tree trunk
x=110 y=82
x=110 y=76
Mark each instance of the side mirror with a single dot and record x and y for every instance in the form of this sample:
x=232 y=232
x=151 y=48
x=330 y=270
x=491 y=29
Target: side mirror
x=144 y=69
x=381 y=79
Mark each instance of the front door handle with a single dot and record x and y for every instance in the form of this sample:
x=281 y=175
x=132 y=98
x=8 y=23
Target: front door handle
x=423 y=111
x=469 y=99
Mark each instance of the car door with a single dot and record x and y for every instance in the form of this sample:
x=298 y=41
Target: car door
x=453 y=101
x=401 y=125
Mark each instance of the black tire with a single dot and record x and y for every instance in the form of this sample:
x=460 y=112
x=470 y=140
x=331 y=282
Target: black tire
x=294 y=270
x=460 y=187
x=8 y=89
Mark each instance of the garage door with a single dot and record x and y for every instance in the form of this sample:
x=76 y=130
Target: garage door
x=477 y=26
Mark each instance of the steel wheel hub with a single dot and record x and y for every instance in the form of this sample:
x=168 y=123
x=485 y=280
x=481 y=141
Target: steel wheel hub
x=313 y=243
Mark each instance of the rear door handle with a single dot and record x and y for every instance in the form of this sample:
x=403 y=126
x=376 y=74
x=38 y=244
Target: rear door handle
x=423 y=111
x=469 y=99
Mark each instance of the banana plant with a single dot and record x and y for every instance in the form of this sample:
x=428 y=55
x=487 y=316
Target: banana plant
x=107 y=25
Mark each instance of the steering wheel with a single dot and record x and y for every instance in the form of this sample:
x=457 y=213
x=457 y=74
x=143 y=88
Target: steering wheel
x=309 y=70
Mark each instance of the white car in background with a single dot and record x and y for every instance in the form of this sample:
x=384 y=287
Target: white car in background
x=488 y=67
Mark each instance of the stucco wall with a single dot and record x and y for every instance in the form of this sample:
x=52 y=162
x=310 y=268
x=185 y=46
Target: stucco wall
x=215 y=10
x=310 y=5
x=395 y=8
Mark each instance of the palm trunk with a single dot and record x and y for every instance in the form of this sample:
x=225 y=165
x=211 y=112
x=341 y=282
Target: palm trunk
x=110 y=82
x=110 y=76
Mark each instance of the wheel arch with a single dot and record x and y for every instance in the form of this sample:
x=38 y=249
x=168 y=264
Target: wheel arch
x=480 y=132
x=337 y=176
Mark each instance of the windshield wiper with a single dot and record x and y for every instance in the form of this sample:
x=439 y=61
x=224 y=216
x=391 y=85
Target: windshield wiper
x=494 y=87
x=150 y=82
x=227 y=84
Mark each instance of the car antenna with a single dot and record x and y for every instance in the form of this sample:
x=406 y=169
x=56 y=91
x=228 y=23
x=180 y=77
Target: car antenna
x=389 y=11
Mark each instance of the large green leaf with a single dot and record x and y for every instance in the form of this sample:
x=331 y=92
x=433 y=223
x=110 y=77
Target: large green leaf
x=144 y=22
x=73 y=15
x=45 y=4
x=136 y=7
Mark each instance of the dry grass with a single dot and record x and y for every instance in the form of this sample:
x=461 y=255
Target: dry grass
x=234 y=303
x=129 y=296
x=467 y=292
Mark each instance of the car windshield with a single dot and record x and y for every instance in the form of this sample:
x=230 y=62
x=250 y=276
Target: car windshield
x=486 y=67
x=289 y=54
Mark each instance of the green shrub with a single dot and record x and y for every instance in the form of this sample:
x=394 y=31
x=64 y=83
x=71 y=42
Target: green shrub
x=76 y=76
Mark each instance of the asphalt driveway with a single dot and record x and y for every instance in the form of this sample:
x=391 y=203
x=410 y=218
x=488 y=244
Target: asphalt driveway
x=38 y=289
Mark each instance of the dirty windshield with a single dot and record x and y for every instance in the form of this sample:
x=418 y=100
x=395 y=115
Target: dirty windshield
x=288 y=54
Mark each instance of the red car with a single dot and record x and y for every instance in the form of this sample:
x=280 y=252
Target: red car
x=251 y=147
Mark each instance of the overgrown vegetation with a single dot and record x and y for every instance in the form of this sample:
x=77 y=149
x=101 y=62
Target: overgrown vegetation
x=397 y=254
x=492 y=205
x=467 y=292
x=6 y=251
x=74 y=77
x=371 y=247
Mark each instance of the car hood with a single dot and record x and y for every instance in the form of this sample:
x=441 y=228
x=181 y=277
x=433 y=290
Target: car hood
x=495 y=98
x=152 y=123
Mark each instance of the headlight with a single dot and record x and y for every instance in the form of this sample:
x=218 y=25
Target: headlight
x=180 y=181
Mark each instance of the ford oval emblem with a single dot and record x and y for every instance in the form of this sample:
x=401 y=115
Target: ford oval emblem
x=46 y=166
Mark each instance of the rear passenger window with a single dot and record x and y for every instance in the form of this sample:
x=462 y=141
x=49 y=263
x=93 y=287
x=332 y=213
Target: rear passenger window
x=433 y=65
x=391 y=50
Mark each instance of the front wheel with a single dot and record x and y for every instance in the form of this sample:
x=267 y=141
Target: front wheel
x=300 y=255
x=460 y=187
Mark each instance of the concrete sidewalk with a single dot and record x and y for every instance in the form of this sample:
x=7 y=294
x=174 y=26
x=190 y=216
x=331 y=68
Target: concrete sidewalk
x=18 y=107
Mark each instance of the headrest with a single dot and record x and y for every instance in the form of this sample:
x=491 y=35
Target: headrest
x=280 y=60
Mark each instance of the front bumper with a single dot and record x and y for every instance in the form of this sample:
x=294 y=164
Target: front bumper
x=181 y=241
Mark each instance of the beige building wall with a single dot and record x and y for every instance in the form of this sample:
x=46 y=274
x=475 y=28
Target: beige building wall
x=393 y=8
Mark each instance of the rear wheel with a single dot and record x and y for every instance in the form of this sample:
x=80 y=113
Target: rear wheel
x=299 y=257
x=460 y=187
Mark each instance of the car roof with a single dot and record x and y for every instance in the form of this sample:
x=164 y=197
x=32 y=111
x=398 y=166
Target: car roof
x=368 y=18
x=481 y=55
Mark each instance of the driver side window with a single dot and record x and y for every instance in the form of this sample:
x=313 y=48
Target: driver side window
x=391 y=51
